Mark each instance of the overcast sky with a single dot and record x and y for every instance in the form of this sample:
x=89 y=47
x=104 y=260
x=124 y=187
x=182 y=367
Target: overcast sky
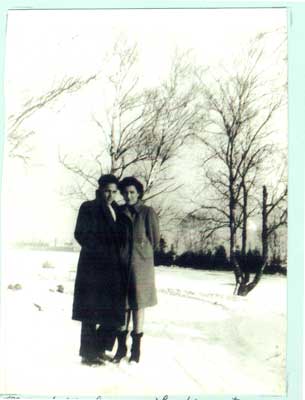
x=44 y=46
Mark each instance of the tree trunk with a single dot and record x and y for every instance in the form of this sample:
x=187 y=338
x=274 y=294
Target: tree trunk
x=265 y=227
x=233 y=261
x=243 y=288
x=244 y=234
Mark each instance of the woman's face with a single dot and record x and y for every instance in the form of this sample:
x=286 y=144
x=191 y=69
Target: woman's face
x=131 y=195
x=109 y=192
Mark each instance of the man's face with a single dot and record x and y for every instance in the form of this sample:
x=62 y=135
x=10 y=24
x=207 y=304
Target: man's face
x=131 y=195
x=109 y=192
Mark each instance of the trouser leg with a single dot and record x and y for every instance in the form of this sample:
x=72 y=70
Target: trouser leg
x=88 y=341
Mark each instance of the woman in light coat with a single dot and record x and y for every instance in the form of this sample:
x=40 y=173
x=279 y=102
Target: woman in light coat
x=143 y=227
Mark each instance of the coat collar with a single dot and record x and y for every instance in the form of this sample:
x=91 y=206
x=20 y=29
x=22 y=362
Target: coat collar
x=102 y=205
x=137 y=207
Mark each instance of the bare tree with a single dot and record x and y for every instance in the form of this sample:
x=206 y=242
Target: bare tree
x=18 y=136
x=276 y=208
x=142 y=128
x=250 y=174
x=238 y=140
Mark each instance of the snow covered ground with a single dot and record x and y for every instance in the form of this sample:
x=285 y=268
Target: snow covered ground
x=199 y=339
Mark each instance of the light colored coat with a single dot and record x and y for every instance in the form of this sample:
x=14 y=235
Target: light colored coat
x=144 y=240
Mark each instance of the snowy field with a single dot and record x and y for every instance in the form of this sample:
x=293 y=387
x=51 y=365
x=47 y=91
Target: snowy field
x=199 y=339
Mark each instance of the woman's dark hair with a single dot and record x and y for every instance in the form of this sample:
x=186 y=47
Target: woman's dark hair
x=107 y=179
x=131 y=181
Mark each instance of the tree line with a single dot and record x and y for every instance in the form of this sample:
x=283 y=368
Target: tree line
x=218 y=260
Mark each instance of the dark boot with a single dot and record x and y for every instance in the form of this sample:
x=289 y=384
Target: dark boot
x=135 y=347
x=122 y=347
x=105 y=341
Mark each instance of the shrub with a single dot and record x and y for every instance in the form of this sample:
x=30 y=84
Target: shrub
x=162 y=258
x=191 y=259
x=219 y=259
x=275 y=267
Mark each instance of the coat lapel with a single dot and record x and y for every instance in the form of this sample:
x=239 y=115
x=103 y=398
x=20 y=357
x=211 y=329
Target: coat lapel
x=126 y=212
x=104 y=210
x=109 y=218
x=137 y=207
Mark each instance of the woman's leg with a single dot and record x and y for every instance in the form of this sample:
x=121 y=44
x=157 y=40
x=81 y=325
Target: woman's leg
x=138 y=320
x=127 y=321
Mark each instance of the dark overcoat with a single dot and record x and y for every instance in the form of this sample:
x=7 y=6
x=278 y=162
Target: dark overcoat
x=101 y=279
x=144 y=240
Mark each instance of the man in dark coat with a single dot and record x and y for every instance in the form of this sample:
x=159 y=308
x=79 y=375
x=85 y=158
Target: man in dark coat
x=100 y=285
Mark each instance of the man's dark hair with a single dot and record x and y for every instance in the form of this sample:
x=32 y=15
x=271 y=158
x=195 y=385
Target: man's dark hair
x=106 y=179
x=131 y=181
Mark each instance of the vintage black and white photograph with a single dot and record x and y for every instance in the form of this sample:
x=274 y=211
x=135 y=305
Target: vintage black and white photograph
x=144 y=203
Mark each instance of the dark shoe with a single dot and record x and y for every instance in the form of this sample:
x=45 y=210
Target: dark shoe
x=92 y=361
x=104 y=357
x=122 y=347
x=135 y=347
